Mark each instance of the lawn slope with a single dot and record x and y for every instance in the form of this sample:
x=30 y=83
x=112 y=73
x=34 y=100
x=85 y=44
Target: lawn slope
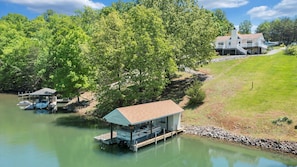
x=246 y=95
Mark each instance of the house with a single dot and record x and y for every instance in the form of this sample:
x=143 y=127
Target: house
x=143 y=124
x=240 y=44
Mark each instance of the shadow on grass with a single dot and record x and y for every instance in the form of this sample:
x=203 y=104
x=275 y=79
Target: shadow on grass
x=192 y=106
x=176 y=90
x=81 y=122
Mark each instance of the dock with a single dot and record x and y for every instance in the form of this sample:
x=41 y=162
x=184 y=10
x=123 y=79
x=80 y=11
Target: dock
x=155 y=140
x=106 y=139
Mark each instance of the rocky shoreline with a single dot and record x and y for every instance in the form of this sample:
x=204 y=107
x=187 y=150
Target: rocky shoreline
x=221 y=134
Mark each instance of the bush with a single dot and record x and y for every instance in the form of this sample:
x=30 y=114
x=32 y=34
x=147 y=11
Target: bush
x=195 y=93
x=291 y=50
x=280 y=121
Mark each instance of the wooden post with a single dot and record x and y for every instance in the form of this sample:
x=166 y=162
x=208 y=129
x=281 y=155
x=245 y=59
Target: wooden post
x=164 y=138
x=131 y=135
x=156 y=138
x=111 y=133
x=151 y=126
x=166 y=123
x=136 y=147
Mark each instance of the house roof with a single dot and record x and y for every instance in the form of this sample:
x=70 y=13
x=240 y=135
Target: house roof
x=137 y=114
x=241 y=36
x=44 y=92
x=222 y=38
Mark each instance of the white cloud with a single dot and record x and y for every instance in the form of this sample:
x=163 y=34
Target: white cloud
x=284 y=8
x=215 y=4
x=60 y=6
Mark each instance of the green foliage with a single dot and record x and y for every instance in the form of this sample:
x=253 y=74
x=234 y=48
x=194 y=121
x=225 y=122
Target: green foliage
x=71 y=69
x=224 y=26
x=129 y=49
x=281 y=30
x=245 y=27
x=282 y=120
x=135 y=55
x=195 y=93
x=291 y=50
x=190 y=29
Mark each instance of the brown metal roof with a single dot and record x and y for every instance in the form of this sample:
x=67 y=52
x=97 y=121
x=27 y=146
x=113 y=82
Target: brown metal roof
x=136 y=114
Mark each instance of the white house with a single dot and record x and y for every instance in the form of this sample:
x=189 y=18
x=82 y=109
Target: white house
x=240 y=44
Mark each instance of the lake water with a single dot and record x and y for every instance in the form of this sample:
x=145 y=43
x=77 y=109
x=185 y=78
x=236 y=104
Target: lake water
x=33 y=140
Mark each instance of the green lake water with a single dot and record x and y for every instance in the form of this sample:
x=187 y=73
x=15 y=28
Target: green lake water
x=33 y=140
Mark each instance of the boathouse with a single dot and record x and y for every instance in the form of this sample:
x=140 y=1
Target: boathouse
x=140 y=125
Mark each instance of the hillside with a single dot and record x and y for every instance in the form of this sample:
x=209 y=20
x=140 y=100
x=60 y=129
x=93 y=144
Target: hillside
x=254 y=96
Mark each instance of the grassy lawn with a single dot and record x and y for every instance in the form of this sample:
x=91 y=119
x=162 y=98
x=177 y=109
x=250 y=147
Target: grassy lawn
x=246 y=95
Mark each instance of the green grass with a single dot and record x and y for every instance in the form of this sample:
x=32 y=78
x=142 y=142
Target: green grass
x=245 y=95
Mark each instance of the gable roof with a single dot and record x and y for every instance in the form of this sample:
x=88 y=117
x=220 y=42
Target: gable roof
x=44 y=92
x=137 y=114
x=241 y=36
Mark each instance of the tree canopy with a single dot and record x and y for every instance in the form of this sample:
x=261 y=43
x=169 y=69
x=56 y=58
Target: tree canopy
x=126 y=52
x=282 y=30
x=245 y=27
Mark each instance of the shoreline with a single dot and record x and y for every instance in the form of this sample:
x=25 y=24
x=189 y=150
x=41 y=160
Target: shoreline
x=287 y=147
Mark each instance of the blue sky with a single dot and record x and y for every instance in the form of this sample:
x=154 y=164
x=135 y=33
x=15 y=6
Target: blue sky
x=257 y=11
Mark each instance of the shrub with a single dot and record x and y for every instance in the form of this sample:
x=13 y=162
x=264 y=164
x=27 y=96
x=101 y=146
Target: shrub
x=291 y=50
x=280 y=121
x=195 y=93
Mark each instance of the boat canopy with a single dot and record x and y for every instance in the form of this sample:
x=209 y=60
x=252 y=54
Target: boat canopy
x=44 y=92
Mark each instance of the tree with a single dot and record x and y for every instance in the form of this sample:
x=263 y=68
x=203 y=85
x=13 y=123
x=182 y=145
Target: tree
x=223 y=24
x=149 y=53
x=190 y=29
x=68 y=55
x=109 y=59
x=132 y=55
x=245 y=27
x=265 y=29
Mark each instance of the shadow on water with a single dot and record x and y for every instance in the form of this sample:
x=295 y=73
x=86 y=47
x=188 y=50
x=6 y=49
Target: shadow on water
x=81 y=122
x=113 y=149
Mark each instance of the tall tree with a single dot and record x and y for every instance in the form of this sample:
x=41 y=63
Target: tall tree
x=265 y=29
x=132 y=55
x=149 y=53
x=245 y=27
x=224 y=26
x=190 y=29
x=109 y=59
x=68 y=55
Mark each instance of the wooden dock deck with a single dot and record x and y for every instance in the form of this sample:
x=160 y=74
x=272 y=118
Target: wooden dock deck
x=155 y=140
x=105 y=138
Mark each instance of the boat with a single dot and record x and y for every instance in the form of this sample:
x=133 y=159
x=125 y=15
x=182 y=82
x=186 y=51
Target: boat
x=26 y=105
x=43 y=99
x=43 y=104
